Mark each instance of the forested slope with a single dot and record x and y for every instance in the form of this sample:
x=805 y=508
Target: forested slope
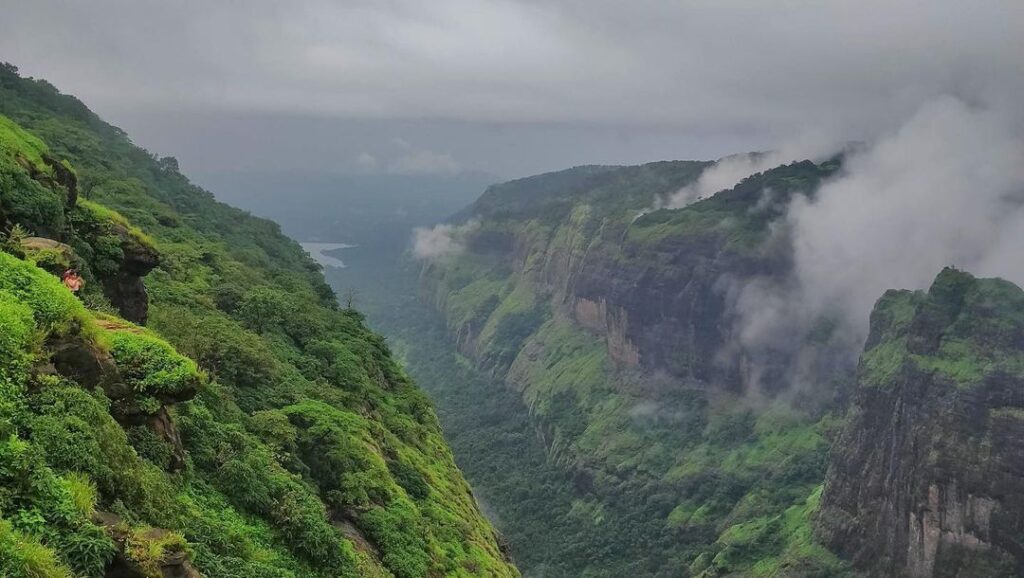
x=251 y=428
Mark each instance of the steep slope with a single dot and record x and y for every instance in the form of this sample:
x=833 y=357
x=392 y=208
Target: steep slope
x=618 y=326
x=252 y=428
x=926 y=478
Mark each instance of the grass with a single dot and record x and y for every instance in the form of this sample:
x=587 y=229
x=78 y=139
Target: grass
x=15 y=141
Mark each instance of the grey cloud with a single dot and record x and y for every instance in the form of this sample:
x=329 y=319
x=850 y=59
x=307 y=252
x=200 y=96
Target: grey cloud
x=849 y=66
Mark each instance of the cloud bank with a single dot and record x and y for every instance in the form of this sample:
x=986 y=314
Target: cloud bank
x=856 y=65
x=946 y=188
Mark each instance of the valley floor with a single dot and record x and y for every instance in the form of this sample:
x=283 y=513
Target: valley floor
x=549 y=526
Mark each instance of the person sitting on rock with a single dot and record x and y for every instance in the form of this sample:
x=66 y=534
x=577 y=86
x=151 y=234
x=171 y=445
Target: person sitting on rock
x=72 y=280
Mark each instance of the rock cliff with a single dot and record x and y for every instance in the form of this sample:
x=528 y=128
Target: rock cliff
x=927 y=477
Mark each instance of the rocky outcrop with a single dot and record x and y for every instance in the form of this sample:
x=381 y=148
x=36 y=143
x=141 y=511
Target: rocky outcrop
x=88 y=365
x=927 y=478
x=125 y=289
x=135 y=550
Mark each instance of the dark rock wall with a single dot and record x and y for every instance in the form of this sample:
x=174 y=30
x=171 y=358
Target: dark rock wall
x=927 y=478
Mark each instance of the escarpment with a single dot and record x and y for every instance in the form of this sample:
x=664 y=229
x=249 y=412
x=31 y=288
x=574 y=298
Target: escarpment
x=660 y=288
x=617 y=324
x=927 y=477
x=41 y=198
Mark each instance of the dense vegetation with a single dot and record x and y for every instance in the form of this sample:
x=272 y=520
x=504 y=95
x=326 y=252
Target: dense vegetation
x=253 y=425
x=532 y=499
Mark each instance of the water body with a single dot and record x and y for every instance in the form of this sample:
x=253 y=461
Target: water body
x=319 y=253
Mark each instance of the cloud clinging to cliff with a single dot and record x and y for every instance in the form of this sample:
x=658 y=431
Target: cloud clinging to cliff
x=440 y=241
x=945 y=187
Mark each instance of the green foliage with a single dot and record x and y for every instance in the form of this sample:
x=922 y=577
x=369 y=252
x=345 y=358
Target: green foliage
x=44 y=505
x=54 y=307
x=740 y=215
x=263 y=307
x=23 y=198
x=975 y=324
x=151 y=366
x=23 y=556
x=238 y=313
x=148 y=548
x=17 y=329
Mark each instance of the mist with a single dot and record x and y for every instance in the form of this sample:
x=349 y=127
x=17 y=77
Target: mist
x=440 y=241
x=944 y=188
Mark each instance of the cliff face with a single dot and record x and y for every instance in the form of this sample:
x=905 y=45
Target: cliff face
x=659 y=288
x=927 y=477
x=618 y=328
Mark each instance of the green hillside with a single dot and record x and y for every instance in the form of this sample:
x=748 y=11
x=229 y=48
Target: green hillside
x=252 y=428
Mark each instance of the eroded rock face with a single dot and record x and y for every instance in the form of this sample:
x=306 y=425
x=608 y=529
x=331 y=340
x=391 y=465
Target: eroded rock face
x=663 y=298
x=125 y=289
x=163 y=426
x=86 y=364
x=927 y=478
x=128 y=293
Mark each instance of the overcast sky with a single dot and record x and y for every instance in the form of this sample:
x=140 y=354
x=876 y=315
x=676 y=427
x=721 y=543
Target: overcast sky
x=504 y=86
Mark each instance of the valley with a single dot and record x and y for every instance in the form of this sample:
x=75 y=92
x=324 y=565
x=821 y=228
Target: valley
x=511 y=289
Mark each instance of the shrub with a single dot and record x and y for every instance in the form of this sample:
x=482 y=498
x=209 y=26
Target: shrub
x=52 y=304
x=150 y=365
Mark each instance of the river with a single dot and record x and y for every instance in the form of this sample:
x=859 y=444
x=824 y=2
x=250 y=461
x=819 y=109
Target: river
x=318 y=252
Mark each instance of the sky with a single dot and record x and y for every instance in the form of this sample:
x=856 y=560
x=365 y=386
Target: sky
x=509 y=87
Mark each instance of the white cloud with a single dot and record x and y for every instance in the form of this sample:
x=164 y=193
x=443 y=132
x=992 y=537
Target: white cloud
x=946 y=187
x=729 y=171
x=441 y=241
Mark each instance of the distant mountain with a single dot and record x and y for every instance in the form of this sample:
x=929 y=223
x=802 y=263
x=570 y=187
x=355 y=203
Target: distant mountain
x=358 y=209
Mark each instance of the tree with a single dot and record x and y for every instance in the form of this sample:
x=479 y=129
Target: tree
x=262 y=307
x=349 y=298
